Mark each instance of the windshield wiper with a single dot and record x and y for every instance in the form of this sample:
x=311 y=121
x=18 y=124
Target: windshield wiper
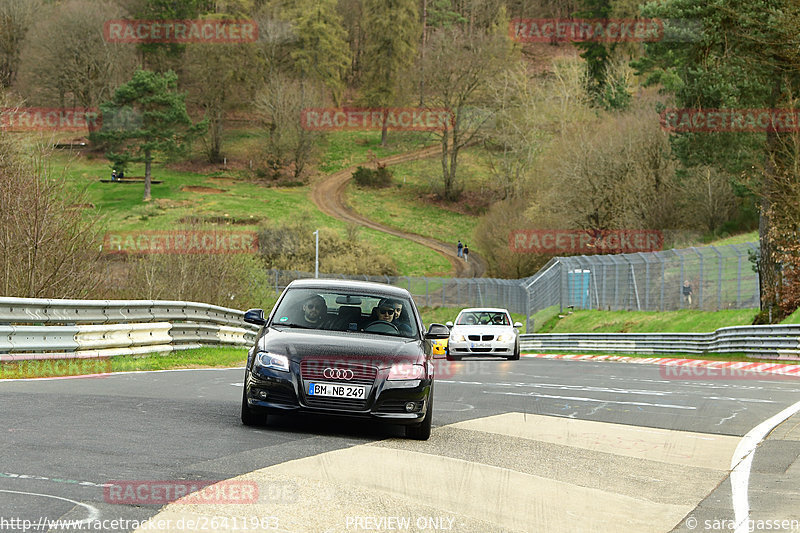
x=285 y=325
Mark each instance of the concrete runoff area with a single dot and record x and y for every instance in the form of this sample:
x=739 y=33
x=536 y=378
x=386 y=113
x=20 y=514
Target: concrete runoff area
x=597 y=476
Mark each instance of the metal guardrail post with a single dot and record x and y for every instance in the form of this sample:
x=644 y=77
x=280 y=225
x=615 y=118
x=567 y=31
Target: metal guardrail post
x=739 y=280
x=699 y=283
x=719 y=277
x=680 y=282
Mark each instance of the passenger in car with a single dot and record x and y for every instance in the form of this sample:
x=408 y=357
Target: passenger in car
x=401 y=319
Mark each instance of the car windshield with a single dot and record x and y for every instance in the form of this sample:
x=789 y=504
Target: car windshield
x=487 y=318
x=345 y=311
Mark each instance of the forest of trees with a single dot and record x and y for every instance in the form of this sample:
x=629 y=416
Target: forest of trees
x=572 y=130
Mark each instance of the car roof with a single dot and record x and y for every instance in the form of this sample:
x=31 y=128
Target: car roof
x=381 y=289
x=484 y=310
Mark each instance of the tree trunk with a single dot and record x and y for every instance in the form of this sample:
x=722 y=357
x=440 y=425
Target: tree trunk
x=147 y=162
x=422 y=52
x=445 y=170
x=768 y=268
x=385 y=127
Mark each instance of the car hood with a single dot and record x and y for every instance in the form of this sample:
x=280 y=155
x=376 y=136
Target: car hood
x=482 y=330
x=299 y=345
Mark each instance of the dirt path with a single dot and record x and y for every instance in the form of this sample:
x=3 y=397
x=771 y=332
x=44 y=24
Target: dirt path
x=329 y=196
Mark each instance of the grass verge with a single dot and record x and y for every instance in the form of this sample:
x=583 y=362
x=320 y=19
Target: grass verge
x=689 y=321
x=703 y=357
x=206 y=357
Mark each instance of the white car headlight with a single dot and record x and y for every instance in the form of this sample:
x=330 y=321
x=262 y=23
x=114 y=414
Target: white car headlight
x=273 y=361
x=503 y=338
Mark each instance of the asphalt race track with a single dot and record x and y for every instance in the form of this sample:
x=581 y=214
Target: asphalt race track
x=529 y=445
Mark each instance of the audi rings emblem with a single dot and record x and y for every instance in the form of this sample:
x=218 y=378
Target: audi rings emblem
x=337 y=373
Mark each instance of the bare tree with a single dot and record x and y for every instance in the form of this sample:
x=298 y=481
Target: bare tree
x=48 y=247
x=67 y=60
x=531 y=111
x=280 y=104
x=457 y=68
x=220 y=77
x=16 y=18
x=709 y=197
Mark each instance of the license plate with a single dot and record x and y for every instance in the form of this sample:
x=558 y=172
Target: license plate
x=334 y=390
x=480 y=345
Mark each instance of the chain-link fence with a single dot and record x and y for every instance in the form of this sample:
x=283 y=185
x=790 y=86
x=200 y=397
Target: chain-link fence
x=708 y=278
x=434 y=292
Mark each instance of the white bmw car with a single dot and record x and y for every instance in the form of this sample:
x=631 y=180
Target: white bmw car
x=483 y=332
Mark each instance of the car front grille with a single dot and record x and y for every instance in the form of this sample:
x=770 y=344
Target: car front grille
x=481 y=349
x=313 y=370
x=481 y=337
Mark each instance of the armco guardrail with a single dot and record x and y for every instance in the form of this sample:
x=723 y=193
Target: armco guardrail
x=36 y=328
x=774 y=342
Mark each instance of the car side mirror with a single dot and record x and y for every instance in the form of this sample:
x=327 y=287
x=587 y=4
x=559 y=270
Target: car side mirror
x=255 y=316
x=437 y=332
x=449 y=323
x=517 y=324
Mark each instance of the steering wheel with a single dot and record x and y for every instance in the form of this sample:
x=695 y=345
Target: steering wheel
x=380 y=326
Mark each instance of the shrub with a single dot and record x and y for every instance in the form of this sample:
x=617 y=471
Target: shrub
x=291 y=247
x=368 y=177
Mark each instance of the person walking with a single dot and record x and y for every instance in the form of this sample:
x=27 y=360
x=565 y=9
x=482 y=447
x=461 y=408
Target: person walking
x=686 y=290
x=466 y=253
x=460 y=248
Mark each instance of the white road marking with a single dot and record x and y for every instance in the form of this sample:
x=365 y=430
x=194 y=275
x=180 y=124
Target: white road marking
x=585 y=399
x=11 y=475
x=94 y=514
x=111 y=374
x=742 y=461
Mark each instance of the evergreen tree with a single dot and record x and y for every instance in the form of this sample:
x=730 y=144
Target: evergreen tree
x=146 y=116
x=742 y=56
x=392 y=31
x=321 y=51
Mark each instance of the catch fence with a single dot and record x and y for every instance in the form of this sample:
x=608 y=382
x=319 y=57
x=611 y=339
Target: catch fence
x=708 y=278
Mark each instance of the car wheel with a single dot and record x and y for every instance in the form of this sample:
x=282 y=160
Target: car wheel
x=451 y=357
x=422 y=431
x=515 y=357
x=249 y=416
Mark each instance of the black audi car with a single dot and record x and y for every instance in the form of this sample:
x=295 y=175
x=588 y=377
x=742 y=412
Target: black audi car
x=349 y=348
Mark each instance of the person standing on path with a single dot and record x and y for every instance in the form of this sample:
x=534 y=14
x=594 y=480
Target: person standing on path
x=686 y=290
x=466 y=253
x=460 y=248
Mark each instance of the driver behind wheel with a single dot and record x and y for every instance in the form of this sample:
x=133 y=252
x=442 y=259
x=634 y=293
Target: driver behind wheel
x=314 y=313
x=385 y=310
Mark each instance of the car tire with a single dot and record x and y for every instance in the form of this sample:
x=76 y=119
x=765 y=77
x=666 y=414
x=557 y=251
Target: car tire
x=249 y=416
x=515 y=357
x=451 y=357
x=422 y=431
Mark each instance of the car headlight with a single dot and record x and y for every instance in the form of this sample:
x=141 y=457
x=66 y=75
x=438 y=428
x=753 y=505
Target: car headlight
x=273 y=361
x=460 y=338
x=406 y=371
x=503 y=338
